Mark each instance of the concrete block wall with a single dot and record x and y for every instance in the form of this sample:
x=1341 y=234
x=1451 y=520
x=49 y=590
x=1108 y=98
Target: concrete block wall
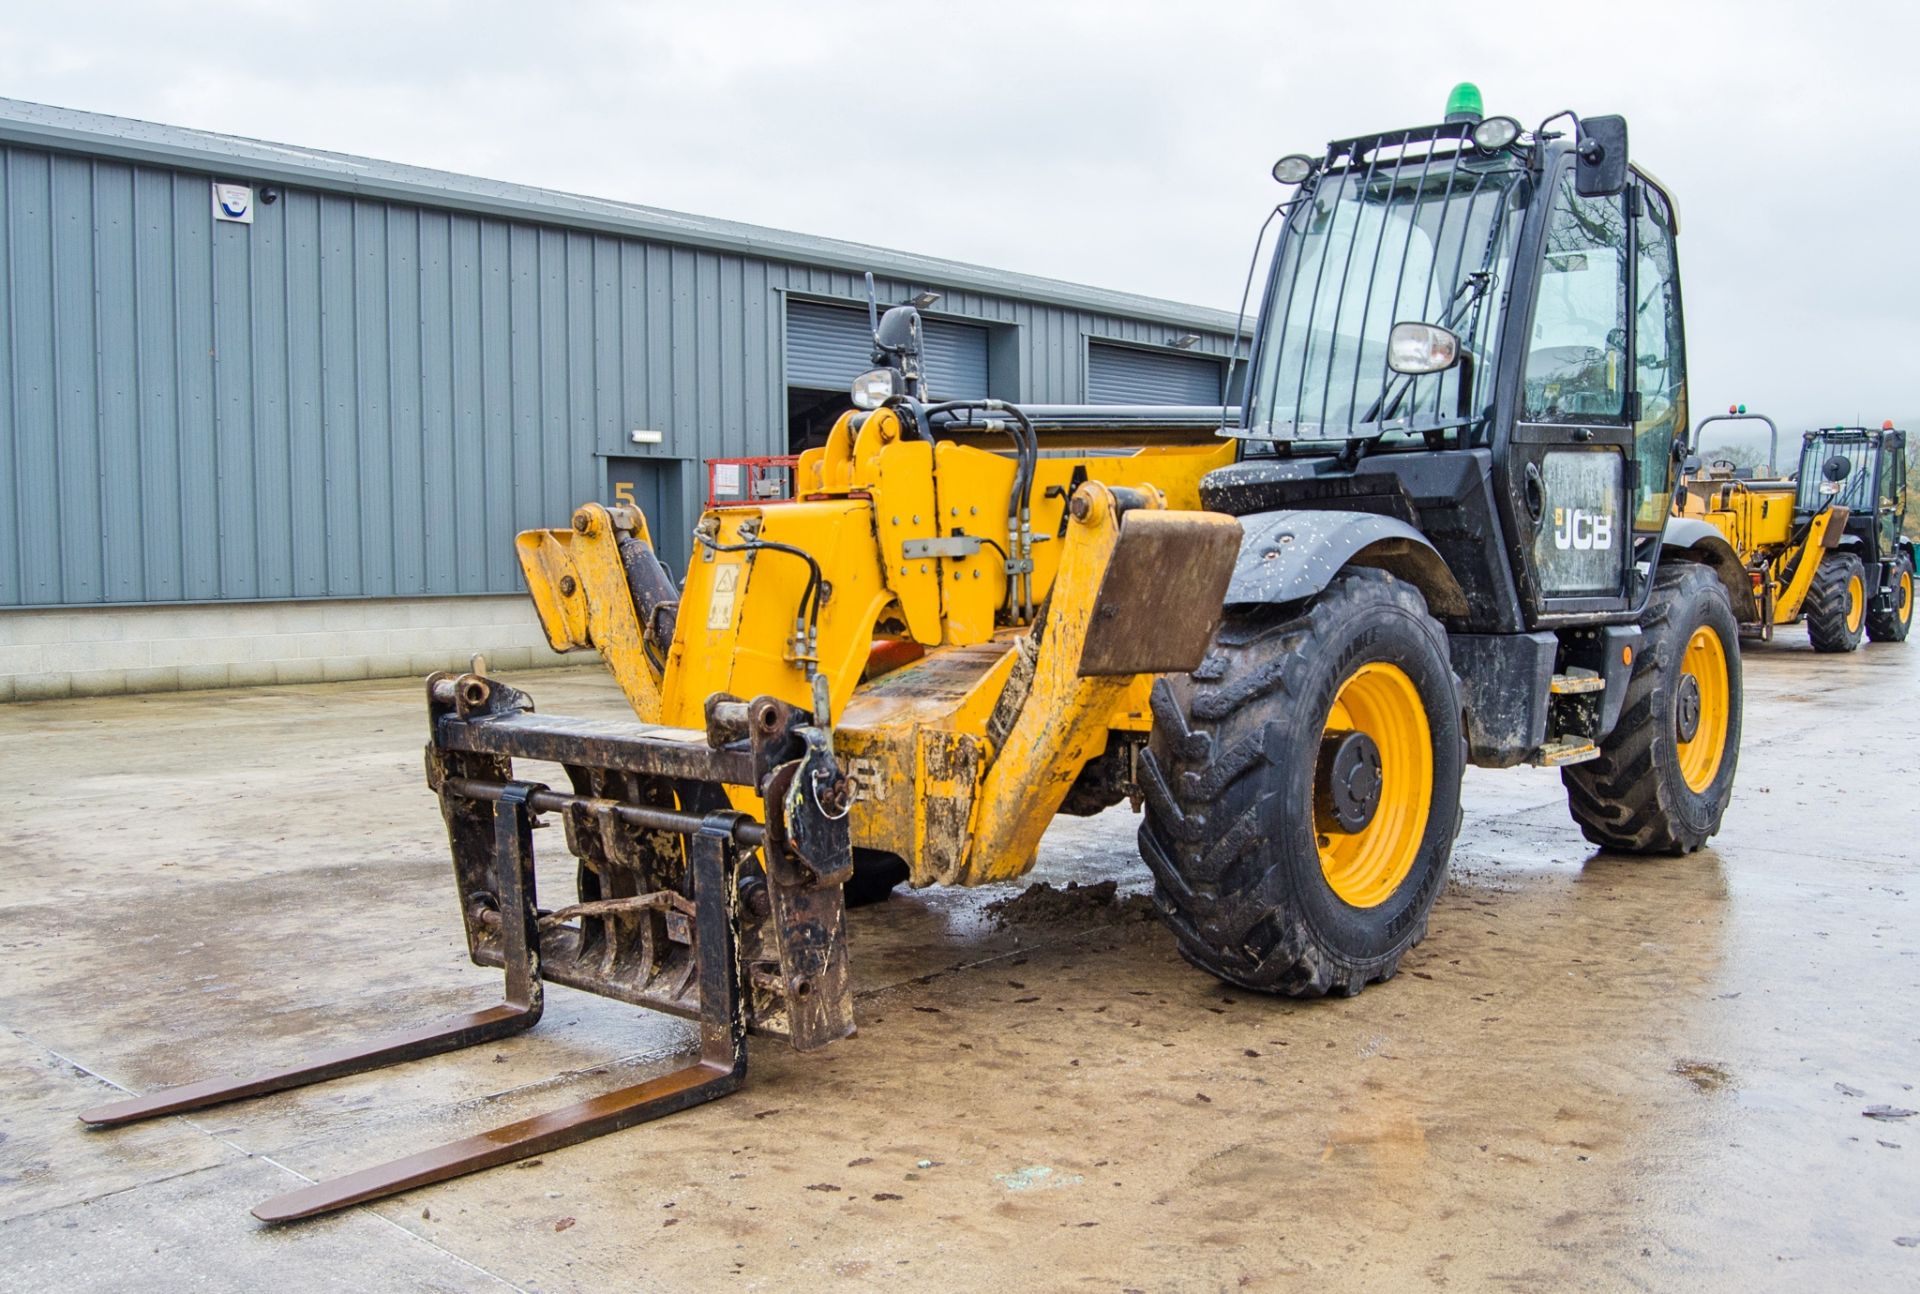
x=96 y=651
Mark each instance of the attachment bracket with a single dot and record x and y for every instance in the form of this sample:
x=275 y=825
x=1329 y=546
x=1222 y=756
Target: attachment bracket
x=660 y=921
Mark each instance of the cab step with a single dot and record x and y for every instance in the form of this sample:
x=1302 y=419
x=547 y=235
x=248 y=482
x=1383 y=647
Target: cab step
x=1561 y=751
x=1576 y=681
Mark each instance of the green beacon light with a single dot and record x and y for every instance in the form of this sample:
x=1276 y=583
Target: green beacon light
x=1465 y=104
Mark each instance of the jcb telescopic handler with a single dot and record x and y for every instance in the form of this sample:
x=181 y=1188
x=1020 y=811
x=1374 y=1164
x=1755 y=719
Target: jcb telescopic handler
x=1824 y=545
x=1433 y=533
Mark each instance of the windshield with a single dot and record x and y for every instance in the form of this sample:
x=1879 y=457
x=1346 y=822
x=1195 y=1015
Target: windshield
x=1856 y=488
x=1422 y=238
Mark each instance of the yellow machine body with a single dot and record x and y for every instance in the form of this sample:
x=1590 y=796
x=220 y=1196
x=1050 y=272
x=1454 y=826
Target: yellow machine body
x=1757 y=519
x=964 y=699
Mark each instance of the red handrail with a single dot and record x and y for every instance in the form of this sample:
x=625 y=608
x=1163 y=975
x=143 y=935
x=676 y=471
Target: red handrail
x=763 y=480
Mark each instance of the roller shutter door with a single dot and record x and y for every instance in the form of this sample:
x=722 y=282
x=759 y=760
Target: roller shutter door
x=1124 y=375
x=829 y=346
x=956 y=359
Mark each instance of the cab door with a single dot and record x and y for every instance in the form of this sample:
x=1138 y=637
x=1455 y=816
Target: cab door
x=1891 y=513
x=1571 y=453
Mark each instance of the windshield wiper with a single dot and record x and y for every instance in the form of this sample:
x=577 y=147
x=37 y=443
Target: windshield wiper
x=1475 y=283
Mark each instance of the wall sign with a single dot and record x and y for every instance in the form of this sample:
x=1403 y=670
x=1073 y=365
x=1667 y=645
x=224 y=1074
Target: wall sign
x=233 y=202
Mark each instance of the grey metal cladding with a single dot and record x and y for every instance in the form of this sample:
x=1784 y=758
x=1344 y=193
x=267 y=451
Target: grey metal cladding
x=365 y=396
x=43 y=126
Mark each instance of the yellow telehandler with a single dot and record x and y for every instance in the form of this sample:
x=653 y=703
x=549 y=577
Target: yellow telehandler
x=1823 y=544
x=1433 y=532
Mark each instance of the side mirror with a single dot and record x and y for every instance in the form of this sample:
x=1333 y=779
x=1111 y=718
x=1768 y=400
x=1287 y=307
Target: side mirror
x=1600 y=170
x=1416 y=348
x=1836 y=468
x=899 y=331
x=1690 y=465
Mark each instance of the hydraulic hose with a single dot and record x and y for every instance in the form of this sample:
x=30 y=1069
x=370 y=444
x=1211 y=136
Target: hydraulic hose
x=808 y=611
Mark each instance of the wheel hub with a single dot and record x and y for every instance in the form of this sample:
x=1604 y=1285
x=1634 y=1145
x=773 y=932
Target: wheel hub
x=1687 y=712
x=1347 y=780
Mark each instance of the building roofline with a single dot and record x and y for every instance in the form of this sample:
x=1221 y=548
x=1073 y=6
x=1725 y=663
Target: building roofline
x=233 y=157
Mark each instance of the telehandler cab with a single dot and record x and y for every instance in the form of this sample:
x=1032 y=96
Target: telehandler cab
x=1824 y=544
x=1433 y=533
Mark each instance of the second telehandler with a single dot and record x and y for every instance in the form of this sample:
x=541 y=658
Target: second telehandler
x=1824 y=544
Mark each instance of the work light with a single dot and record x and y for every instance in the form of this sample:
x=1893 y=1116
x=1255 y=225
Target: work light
x=1294 y=168
x=1417 y=348
x=873 y=388
x=1495 y=133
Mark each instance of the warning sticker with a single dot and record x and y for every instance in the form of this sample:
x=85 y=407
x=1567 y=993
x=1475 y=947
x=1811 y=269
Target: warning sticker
x=726 y=580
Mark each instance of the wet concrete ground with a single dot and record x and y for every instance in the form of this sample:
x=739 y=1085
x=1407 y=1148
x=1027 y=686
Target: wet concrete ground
x=1597 y=1073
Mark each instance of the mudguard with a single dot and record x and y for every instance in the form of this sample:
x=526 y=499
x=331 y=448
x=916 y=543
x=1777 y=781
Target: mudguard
x=1691 y=539
x=1290 y=555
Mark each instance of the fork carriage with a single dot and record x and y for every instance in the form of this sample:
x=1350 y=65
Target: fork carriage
x=685 y=905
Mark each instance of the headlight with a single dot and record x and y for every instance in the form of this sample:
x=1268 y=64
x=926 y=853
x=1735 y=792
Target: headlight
x=1294 y=168
x=1421 y=348
x=1496 y=133
x=873 y=388
x=1829 y=487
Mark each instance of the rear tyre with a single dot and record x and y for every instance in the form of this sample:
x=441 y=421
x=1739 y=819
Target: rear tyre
x=1665 y=772
x=1837 y=603
x=1891 y=625
x=1303 y=789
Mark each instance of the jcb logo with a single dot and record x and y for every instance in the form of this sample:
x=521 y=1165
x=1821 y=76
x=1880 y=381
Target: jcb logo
x=1580 y=529
x=868 y=781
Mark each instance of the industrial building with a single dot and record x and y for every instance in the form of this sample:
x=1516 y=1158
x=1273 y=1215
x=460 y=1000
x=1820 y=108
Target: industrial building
x=273 y=414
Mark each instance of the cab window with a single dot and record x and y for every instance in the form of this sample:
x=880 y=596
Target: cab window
x=1576 y=369
x=1659 y=369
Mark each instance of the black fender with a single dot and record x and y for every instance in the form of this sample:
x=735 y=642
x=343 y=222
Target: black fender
x=1689 y=539
x=1292 y=555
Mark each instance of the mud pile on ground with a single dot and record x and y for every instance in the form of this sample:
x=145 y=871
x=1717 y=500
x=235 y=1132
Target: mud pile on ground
x=1076 y=906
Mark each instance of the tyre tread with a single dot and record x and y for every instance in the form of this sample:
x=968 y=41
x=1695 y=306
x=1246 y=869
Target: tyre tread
x=1887 y=626
x=1827 y=604
x=1208 y=791
x=1620 y=800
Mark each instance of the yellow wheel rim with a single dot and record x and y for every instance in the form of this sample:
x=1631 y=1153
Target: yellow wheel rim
x=1905 y=611
x=1856 y=603
x=1706 y=664
x=1365 y=867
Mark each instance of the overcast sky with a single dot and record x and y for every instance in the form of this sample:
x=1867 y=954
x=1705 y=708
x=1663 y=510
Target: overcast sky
x=1118 y=144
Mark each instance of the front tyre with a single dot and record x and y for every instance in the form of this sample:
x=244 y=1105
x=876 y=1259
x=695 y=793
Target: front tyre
x=1303 y=789
x=1891 y=624
x=1665 y=772
x=1837 y=603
